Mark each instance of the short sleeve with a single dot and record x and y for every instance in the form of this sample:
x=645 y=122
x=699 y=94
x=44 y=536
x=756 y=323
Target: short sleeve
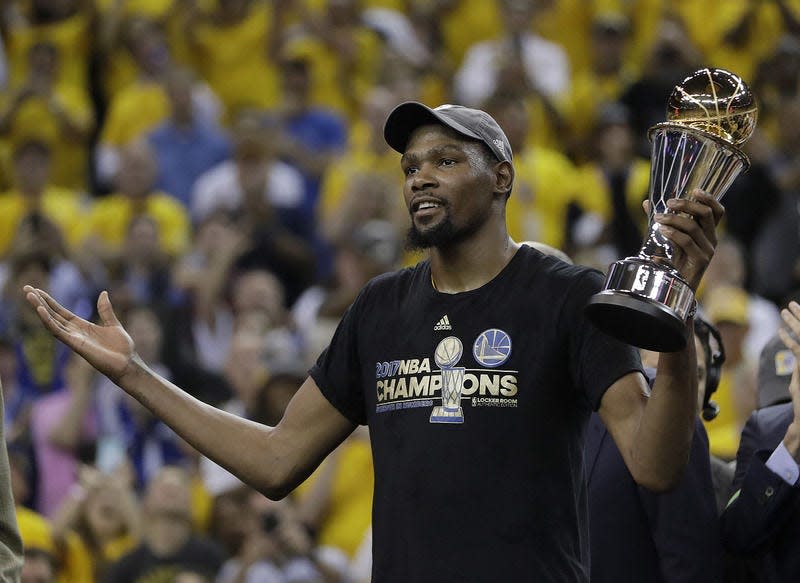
x=337 y=371
x=596 y=359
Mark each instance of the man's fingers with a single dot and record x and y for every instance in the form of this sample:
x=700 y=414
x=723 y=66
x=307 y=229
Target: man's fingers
x=106 y=311
x=55 y=307
x=791 y=316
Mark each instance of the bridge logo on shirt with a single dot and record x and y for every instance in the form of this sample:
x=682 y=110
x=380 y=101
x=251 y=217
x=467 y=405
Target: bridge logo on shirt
x=410 y=383
x=492 y=348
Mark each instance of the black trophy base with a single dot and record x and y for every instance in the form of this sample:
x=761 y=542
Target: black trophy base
x=637 y=321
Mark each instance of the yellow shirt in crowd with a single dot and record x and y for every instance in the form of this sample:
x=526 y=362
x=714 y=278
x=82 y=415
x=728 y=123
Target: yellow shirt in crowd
x=109 y=218
x=57 y=204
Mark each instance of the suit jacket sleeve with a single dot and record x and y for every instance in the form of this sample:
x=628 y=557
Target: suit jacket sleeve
x=760 y=502
x=10 y=542
x=684 y=522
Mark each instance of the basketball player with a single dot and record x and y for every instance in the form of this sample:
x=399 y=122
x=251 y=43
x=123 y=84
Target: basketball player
x=477 y=445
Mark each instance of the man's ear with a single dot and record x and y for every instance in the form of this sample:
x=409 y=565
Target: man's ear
x=504 y=177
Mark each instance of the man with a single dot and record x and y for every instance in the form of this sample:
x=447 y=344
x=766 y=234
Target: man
x=168 y=544
x=671 y=536
x=761 y=520
x=10 y=541
x=487 y=488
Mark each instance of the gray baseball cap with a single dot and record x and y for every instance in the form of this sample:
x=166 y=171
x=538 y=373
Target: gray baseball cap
x=775 y=366
x=473 y=123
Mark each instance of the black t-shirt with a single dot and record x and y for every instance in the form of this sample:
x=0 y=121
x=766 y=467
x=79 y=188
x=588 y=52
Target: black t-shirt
x=142 y=566
x=501 y=495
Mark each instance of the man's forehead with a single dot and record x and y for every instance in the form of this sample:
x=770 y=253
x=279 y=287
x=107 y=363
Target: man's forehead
x=452 y=139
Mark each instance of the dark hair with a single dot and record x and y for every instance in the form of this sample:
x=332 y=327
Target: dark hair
x=714 y=352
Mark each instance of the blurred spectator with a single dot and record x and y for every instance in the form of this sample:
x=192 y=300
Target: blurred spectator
x=343 y=51
x=373 y=248
x=519 y=64
x=109 y=220
x=168 y=543
x=776 y=364
x=247 y=368
x=746 y=33
x=64 y=431
x=542 y=66
x=265 y=197
x=309 y=138
x=776 y=251
x=599 y=85
x=102 y=514
x=776 y=80
x=275 y=394
x=311 y=135
x=63 y=23
x=33 y=195
x=141 y=106
x=276 y=547
x=185 y=145
x=726 y=307
x=115 y=65
x=141 y=273
x=613 y=184
x=235 y=45
x=671 y=57
x=545 y=183
x=69 y=274
x=334 y=502
x=61 y=115
x=131 y=438
x=728 y=268
x=40 y=362
x=67 y=559
x=364 y=183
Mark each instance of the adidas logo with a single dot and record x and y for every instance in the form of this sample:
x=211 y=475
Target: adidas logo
x=443 y=324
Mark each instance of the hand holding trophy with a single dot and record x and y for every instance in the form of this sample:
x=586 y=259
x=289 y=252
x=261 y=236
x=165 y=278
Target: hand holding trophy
x=645 y=300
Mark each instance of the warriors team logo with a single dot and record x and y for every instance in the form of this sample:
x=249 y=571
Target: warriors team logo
x=492 y=348
x=447 y=354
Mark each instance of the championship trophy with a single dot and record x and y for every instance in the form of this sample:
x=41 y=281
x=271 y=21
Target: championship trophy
x=645 y=301
x=447 y=354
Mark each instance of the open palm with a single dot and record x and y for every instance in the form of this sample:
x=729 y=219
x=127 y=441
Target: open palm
x=107 y=346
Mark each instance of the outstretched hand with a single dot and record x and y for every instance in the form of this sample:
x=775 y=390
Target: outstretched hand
x=107 y=346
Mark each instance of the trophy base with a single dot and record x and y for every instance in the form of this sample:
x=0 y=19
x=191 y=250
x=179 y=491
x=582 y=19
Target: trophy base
x=443 y=415
x=643 y=304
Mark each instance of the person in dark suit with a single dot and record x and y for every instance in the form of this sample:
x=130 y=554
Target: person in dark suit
x=637 y=535
x=11 y=552
x=762 y=519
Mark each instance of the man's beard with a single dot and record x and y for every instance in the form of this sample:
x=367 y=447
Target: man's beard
x=442 y=235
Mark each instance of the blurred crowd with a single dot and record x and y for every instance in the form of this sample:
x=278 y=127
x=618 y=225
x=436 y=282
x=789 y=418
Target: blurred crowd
x=219 y=166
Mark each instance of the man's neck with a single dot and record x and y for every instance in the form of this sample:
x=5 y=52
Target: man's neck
x=471 y=264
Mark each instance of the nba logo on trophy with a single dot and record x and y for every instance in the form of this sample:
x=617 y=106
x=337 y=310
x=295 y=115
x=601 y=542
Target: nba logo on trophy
x=447 y=354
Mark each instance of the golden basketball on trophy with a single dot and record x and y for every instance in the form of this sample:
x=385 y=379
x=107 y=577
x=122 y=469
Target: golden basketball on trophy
x=645 y=301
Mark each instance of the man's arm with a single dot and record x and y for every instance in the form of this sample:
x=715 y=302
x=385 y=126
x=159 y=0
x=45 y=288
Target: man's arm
x=761 y=502
x=271 y=459
x=765 y=485
x=10 y=542
x=654 y=433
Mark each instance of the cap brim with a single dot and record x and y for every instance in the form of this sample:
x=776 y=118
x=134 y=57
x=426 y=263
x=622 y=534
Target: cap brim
x=408 y=116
